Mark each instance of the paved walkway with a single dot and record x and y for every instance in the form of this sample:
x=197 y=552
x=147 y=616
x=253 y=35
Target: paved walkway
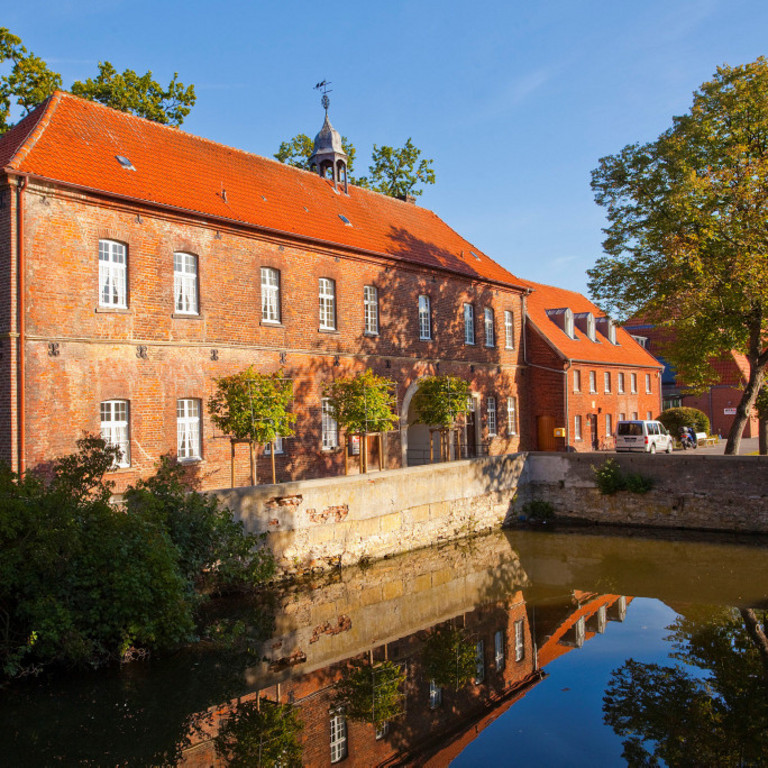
x=749 y=446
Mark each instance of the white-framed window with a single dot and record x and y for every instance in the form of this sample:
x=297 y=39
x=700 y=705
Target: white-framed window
x=622 y=417
x=327 y=304
x=592 y=382
x=512 y=415
x=270 y=295
x=479 y=662
x=634 y=415
x=382 y=729
x=608 y=425
x=338 y=735
x=509 y=329
x=621 y=384
x=185 y=283
x=115 y=416
x=577 y=381
x=498 y=649
x=329 y=427
x=278 y=446
x=425 y=319
x=633 y=383
x=648 y=383
x=607 y=381
x=491 y=405
x=519 y=640
x=188 y=428
x=650 y=416
x=435 y=695
x=113 y=274
x=469 y=324
x=577 y=428
x=490 y=330
x=371 y=309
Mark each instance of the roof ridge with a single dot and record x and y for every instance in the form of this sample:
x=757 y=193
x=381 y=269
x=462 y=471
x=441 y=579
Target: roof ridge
x=46 y=109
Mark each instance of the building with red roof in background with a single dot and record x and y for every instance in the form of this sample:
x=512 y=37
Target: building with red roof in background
x=584 y=373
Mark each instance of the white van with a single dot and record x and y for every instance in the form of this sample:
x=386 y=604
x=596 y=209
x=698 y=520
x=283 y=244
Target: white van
x=646 y=436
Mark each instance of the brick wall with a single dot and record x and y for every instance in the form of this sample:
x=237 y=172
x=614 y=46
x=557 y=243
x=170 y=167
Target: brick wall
x=151 y=357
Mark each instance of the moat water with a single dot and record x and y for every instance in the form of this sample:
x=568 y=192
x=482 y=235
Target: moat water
x=567 y=648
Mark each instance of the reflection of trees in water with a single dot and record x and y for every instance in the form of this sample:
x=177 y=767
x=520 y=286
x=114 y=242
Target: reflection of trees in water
x=261 y=733
x=714 y=715
x=371 y=692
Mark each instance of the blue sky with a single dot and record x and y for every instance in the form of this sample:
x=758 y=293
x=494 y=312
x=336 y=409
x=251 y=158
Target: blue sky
x=514 y=101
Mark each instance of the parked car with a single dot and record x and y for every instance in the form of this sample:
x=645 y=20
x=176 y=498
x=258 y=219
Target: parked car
x=646 y=436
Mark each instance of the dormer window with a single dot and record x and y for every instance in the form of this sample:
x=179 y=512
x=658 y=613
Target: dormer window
x=585 y=322
x=568 y=324
x=563 y=319
x=607 y=327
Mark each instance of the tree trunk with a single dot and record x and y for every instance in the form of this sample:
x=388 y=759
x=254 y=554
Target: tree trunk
x=272 y=451
x=253 y=462
x=744 y=408
x=364 y=452
x=756 y=634
x=762 y=433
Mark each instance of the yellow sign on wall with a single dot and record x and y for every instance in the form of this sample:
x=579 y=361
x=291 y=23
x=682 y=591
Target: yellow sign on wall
x=559 y=431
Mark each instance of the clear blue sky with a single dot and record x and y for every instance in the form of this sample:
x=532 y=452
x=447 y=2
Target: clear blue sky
x=515 y=101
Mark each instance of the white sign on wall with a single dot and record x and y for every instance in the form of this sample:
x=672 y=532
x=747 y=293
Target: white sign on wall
x=729 y=411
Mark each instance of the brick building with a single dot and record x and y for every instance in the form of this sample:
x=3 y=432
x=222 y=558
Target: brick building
x=719 y=401
x=139 y=263
x=584 y=373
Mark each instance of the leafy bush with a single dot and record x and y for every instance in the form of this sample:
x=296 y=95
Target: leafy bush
x=261 y=734
x=537 y=509
x=81 y=580
x=372 y=693
x=610 y=478
x=674 y=418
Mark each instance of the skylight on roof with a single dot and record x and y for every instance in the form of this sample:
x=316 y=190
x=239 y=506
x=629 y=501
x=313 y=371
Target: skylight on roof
x=125 y=162
x=346 y=221
x=475 y=255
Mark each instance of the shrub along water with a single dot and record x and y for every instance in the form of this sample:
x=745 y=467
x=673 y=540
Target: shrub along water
x=83 y=580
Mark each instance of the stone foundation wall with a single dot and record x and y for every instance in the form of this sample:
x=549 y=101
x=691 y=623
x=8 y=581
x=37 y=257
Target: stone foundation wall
x=317 y=524
x=722 y=493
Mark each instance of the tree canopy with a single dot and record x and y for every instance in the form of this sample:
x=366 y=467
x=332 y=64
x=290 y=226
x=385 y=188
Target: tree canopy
x=29 y=81
x=440 y=400
x=363 y=403
x=687 y=236
x=394 y=172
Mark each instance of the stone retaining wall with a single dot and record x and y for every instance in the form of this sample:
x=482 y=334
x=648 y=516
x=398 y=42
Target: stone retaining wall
x=723 y=493
x=317 y=524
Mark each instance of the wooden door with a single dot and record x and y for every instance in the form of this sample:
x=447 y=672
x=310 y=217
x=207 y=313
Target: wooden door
x=545 y=430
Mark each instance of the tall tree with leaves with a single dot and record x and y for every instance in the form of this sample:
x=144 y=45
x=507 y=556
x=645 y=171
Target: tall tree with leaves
x=441 y=403
x=687 y=235
x=397 y=172
x=254 y=407
x=30 y=81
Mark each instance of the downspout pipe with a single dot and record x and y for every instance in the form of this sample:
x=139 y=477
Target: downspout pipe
x=21 y=400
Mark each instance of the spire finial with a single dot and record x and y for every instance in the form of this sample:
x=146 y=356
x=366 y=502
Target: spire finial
x=325 y=101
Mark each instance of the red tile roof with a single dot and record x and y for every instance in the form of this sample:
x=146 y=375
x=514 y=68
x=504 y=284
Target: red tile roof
x=546 y=297
x=74 y=141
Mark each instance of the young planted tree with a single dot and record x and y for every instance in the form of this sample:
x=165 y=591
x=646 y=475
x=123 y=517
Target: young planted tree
x=371 y=692
x=441 y=403
x=253 y=407
x=449 y=657
x=686 y=239
x=363 y=404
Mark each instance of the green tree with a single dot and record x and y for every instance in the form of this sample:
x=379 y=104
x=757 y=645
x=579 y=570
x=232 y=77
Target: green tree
x=254 y=407
x=362 y=403
x=261 y=734
x=396 y=172
x=687 y=240
x=674 y=418
x=372 y=692
x=449 y=657
x=29 y=82
x=715 y=714
x=298 y=150
x=440 y=403
x=139 y=94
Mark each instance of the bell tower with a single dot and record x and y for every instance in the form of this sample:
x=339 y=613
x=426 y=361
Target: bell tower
x=328 y=157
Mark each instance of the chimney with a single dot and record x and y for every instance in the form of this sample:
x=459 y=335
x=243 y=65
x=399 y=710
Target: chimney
x=408 y=198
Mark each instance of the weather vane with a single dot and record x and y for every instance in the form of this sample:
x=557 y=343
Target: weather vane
x=325 y=101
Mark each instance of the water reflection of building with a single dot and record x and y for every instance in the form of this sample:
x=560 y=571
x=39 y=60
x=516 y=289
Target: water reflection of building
x=512 y=642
